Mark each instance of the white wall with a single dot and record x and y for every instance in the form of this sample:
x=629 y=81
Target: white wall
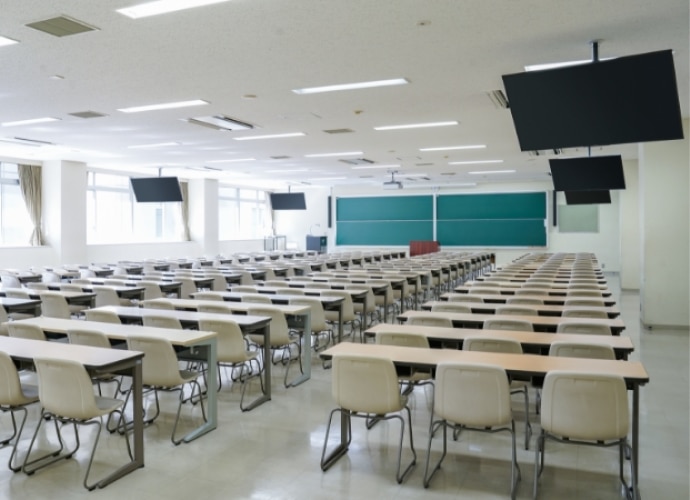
x=665 y=232
x=629 y=209
x=297 y=224
x=203 y=214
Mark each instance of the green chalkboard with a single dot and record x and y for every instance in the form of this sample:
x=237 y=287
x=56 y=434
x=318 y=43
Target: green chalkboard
x=383 y=232
x=492 y=233
x=492 y=206
x=385 y=208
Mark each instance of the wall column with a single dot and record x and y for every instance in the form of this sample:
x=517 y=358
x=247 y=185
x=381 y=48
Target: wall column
x=203 y=214
x=629 y=213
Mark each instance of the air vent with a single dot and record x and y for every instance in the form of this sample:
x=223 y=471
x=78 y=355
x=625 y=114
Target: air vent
x=20 y=141
x=447 y=173
x=498 y=99
x=417 y=178
x=366 y=176
x=61 y=26
x=339 y=131
x=424 y=164
x=88 y=114
x=220 y=122
x=280 y=157
x=357 y=161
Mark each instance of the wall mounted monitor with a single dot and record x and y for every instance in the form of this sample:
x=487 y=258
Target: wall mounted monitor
x=623 y=100
x=587 y=197
x=156 y=189
x=288 y=201
x=593 y=173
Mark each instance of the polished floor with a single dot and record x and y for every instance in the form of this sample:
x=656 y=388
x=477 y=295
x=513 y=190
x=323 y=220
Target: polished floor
x=273 y=452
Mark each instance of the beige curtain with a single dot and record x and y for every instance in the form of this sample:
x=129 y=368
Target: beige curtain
x=184 y=207
x=30 y=182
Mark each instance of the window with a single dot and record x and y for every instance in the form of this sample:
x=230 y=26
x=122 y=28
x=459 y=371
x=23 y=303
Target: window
x=15 y=223
x=113 y=216
x=242 y=214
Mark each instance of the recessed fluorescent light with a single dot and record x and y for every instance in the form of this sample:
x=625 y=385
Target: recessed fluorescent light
x=453 y=148
x=481 y=172
x=327 y=179
x=352 y=86
x=537 y=67
x=163 y=7
x=273 y=136
x=156 y=145
x=30 y=122
x=234 y=160
x=417 y=125
x=167 y=105
x=326 y=155
x=364 y=167
x=474 y=162
x=7 y=41
x=287 y=171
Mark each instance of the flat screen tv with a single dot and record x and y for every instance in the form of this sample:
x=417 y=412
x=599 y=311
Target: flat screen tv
x=592 y=173
x=624 y=100
x=587 y=197
x=156 y=189
x=288 y=201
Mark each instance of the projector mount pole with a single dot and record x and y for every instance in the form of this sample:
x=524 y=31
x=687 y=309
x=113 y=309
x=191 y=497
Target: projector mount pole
x=595 y=50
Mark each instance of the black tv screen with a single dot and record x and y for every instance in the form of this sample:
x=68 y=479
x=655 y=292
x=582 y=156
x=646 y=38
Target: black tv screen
x=623 y=100
x=156 y=189
x=592 y=173
x=587 y=197
x=288 y=201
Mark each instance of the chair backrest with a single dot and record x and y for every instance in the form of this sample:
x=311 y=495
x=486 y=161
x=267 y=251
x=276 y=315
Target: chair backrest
x=160 y=365
x=261 y=299
x=519 y=310
x=401 y=339
x=450 y=307
x=208 y=296
x=320 y=285
x=102 y=316
x=365 y=384
x=243 y=289
x=188 y=286
x=583 y=327
x=529 y=291
x=280 y=333
x=464 y=297
x=486 y=343
x=106 y=296
x=430 y=321
x=574 y=292
x=507 y=324
x=318 y=317
x=90 y=337
x=71 y=287
x=54 y=305
x=220 y=284
x=10 y=281
x=291 y=291
x=219 y=308
x=585 y=302
x=16 y=293
x=347 y=306
x=276 y=283
x=246 y=278
x=50 y=277
x=11 y=393
x=160 y=321
x=231 y=345
x=476 y=395
x=157 y=304
x=584 y=313
x=491 y=282
x=113 y=282
x=524 y=300
x=581 y=350
x=65 y=388
x=583 y=286
x=584 y=406
x=484 y=290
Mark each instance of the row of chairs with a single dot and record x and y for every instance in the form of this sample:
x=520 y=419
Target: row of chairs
x=526 y=299
x=497 y=323
x=521 y=310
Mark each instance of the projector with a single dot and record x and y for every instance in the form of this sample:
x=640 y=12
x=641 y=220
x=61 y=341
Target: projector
x=392 y=185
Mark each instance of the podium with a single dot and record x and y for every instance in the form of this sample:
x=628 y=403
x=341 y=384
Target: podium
x=317 y=243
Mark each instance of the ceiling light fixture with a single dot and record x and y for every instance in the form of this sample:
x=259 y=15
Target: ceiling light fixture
x=352 y=86
x=153 y=146
x=564 y=64
x=7 y=41
x=327 y=155
x=30 y=121
x=167 y=105
x=163 y=7
x=234 y=160
x=273 y=136
x=474 y=162
x=364 y=167
x=455 y=148
x=481 y=172
x=418 y=125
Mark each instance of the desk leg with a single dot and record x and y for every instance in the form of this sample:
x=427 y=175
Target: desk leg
x=266 y=396
x=635 y=442
x=210 y=347
x=416 y=294
x=385 y=307
x=340 y=322
x=306 y=353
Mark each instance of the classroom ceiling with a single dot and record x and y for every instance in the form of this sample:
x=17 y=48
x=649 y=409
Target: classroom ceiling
x=245 y=58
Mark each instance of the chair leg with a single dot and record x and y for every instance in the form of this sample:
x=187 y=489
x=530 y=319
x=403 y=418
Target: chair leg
x=514 y=466
x=538 y=463
x=55 y=455
x=18 y=434
x=345 y=439
x=401 y=477
x=432 y=430
x=182 y=400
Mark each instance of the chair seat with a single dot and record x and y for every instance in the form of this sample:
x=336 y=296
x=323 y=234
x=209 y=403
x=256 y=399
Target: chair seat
x=108 y=405
x=17 y=316
x=240 y=357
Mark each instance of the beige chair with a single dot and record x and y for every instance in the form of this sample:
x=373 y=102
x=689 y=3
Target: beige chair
x=208 y=296
x=516 y=310
x=529 y=291
x=451 y=307
x=14 y=397
x=583 y=293
x=471 y=397
x=430 y=321
x=318 y=324
x=348 y=311
x=244 y=289
x=114 y=282
x=388 y=299
x=583 y=286
x=160 y=372
x=54 y=305
x=94 y=338
x=291 y=291
x=475 y=290
x=464 y=297
x=25 y=331
x=485 y=343
x=10 y=281
x=583 y=328
x=161 y=321
x=102 y=316
x=17 y=293
x=152 y=290
x=232 y=352
x=257 y=298
x=188 y=286
x=415 y=377
x=107 y=296
x=157 y=304
x=367 y=387
x=281 y=339
x=276 y=283
x=584 y=313
x=584 y=408
x=581 y=350
x=513 y=301
x=507 y=324
x=371 y=311
x=71 y=287
x=37 y=286
x=67 y=397
x=584 y=302
x=219 y=308
x=320 y=285
x=220 y=284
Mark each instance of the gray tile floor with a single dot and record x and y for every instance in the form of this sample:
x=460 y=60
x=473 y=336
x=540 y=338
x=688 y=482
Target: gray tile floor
x=273 y=452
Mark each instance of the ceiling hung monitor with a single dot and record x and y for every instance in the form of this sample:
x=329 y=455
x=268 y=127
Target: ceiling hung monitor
x=587 y=197
x=288 y=201
x=624 y=100
x=592 y=173
x=156 y=189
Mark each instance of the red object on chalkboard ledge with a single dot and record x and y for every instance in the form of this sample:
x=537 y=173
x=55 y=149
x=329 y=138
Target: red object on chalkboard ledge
x=423 y=247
